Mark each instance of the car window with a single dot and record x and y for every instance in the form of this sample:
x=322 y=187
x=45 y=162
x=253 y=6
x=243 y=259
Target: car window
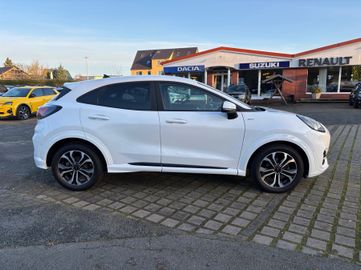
x=237 y=88
x=184 y=97
x=131 y=96
x=37 y=93
x=17 y=92
x=48 y=91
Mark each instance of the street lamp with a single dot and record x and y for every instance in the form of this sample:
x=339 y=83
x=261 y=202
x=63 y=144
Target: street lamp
x=87 y=68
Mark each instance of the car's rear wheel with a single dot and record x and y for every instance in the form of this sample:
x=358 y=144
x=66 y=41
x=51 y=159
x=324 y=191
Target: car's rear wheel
x=77 y=167
x=23 y=112
x=277 y=168
x=355 y=104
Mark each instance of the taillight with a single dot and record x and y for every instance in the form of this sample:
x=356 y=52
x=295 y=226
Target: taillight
x=47 y=110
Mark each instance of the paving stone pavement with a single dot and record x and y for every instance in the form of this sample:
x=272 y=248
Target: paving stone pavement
x=321 y=216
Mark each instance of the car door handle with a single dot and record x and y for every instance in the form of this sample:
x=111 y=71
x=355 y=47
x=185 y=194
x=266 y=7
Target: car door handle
x=176 y=121
x=99 y=117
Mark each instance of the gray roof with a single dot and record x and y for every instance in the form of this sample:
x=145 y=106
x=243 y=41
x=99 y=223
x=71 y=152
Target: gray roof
x=4 y=69
x=143 y=58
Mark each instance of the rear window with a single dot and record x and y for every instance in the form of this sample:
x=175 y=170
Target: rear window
x=48 y=91
x=128 y=95
x=62 y=92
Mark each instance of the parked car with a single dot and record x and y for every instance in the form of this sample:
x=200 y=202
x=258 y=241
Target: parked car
x=3 y=89
x=351 y=100
x=147 y=123
x=21 y=102
x=240 y=91
x=356 y=100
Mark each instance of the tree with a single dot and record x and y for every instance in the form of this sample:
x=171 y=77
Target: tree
x=61 y=73
x=36 y=70
x=356 y=73
x=8 y=62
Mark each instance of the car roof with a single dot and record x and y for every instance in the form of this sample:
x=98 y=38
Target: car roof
x=112 y=80
x=82 y=87
x=33 y=87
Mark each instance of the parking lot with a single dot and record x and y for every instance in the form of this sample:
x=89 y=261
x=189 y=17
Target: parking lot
x=322 y=216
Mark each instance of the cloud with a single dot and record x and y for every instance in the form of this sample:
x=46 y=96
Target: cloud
x=111 y=56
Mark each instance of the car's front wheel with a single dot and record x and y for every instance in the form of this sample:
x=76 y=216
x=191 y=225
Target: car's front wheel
x=356 y=104
x=23 y=112
x=77 y=167
x=277 y=168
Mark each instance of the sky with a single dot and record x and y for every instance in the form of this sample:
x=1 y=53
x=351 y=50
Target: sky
x=109 y=32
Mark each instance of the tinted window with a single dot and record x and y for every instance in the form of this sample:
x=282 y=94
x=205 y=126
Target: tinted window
x=37 y=93
x=48 y=91
x=131 y=96
x=183 y=97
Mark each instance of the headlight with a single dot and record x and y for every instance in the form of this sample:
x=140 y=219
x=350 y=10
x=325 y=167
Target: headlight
x=315 y=125
x=8 y=103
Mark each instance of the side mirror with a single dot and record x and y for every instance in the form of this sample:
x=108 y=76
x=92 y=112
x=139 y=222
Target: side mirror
x=32 y=95
x=230 y=108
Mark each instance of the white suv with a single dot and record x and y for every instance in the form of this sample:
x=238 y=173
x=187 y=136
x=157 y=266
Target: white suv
x=171 y=124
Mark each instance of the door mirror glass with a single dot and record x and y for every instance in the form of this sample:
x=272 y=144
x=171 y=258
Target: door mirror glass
x=230 y=108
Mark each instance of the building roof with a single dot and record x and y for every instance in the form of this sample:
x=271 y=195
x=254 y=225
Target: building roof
x=143 y=58
x=266 y=53
x=4 y=69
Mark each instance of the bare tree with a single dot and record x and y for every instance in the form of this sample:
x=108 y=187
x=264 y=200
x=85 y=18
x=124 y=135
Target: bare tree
x=36 y=70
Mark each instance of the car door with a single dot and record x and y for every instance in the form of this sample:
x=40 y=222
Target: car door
x=36 y=99
x=124 y=118
x=195 y=133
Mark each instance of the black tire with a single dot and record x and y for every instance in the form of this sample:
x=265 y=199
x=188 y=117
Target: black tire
x=355 y=104
x=280 y=176
x=23 y=112
x=350 y=102
x=80 y=176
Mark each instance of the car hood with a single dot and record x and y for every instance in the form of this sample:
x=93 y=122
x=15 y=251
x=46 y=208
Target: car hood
x=6 y=99
x=271 y=110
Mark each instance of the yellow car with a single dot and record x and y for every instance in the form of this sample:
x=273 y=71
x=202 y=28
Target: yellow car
x=21 y=102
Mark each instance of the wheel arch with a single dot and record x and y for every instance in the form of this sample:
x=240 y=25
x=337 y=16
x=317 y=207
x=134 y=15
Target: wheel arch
x=291 y=144
x=66 y=141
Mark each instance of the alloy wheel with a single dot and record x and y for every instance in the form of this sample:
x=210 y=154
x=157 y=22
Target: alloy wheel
x=278 y=169
x=76 y=167
x=23 y=113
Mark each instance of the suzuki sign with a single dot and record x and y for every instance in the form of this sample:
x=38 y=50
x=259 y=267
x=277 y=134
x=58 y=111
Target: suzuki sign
x=264 y=65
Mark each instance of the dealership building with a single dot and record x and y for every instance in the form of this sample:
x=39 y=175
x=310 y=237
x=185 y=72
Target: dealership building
x=335 y=69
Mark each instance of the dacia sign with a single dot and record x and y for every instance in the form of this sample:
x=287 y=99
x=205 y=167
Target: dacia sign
x=264 y=65
x=183 y=69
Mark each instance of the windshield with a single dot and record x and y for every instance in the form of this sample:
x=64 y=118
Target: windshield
x=237 y=88
x=237 y=101
x=17 y=92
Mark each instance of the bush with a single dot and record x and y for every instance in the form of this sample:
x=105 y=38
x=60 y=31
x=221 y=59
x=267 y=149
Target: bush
x=34 y=82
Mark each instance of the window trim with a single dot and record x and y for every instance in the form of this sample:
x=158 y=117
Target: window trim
x=153 y=103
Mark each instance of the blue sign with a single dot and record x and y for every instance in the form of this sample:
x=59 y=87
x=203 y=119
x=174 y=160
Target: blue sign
x=265 y=65
x=183 y=69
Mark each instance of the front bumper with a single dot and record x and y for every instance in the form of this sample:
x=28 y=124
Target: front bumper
x=6 y=111
x=320 y=142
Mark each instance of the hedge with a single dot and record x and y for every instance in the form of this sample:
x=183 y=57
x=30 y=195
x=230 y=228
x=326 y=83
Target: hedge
x=34 y=82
